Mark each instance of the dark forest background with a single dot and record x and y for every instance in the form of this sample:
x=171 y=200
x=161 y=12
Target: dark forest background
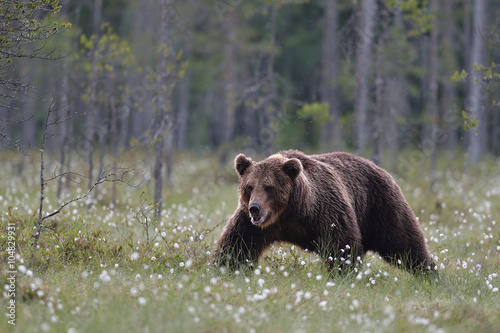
x=372 y=77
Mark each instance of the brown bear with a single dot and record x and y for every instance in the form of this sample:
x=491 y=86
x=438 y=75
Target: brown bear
x=338 y=205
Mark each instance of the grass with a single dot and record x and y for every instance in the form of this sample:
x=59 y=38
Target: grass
x=95 y=273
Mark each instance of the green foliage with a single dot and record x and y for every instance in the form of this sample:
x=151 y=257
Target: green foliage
x=110 y=50
x=488 y=75
x=113 y=59
x=456 y=77
x=318 y=112
x=417 y=13
x=470 y=121
x=24 y=22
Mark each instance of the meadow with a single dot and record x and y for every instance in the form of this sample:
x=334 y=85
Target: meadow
x=97 y=270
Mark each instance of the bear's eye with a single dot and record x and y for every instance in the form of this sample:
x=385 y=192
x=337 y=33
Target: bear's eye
x=268 y=189
x=249 y=189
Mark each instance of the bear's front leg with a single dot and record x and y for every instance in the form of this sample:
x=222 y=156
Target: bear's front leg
x=241 y=242
x=341 y=243
x=344 y=259
x=339 y=258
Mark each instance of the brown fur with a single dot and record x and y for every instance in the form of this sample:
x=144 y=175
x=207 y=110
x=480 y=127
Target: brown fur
x=338 y=205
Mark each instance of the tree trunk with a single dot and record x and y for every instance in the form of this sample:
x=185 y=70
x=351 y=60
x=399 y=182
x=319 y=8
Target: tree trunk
x=157 y=174
x=331 y=131
x=380 y=95
x=229 y=69
x=97 y=16
x=170 y=149
x=363 y=63
x=183 y=115
x=114 y=144
x=269 y=139
x=432 y=100
x=102 y=135
x=448 y=100
x=162 y=124
x=467 y=33
x=91 y=104
x=495 y=132
x=89 y=139
x=64 y=150
x=29 y=126
x=476 y=100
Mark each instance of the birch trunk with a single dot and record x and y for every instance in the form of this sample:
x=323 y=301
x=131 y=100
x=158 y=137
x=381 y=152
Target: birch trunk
x=363 y=67
x=476 y=100
x=331 y=135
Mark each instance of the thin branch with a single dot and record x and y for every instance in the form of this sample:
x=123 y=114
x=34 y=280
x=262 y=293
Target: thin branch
x=10 y=144
x=64 y=174
x=113 y=173
x=42 y=180
x=14 y=121
x=102 y=179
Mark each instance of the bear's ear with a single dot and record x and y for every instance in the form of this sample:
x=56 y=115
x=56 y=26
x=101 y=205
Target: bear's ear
x=292 y=168
x=241 y=163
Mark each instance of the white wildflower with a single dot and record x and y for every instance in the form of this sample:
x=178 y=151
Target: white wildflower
x=104 y=277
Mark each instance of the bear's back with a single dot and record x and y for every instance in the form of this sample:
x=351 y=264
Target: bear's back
x=366 y=184
x=354 y=167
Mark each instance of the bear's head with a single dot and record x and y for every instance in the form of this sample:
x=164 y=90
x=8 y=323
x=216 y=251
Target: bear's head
x=266 y=186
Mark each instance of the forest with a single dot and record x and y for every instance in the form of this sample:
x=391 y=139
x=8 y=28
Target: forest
x=120 y=120
x=373 y=77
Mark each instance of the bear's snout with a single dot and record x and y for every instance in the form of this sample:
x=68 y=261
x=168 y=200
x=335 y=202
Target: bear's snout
x=254 y=210
x=256 y=214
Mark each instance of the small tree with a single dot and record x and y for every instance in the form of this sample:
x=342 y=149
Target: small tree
x=170 y=68
x=109 y=58
x=22 y=23
x=111 y=173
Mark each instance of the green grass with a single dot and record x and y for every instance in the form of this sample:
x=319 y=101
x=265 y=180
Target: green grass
x=95 y=272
